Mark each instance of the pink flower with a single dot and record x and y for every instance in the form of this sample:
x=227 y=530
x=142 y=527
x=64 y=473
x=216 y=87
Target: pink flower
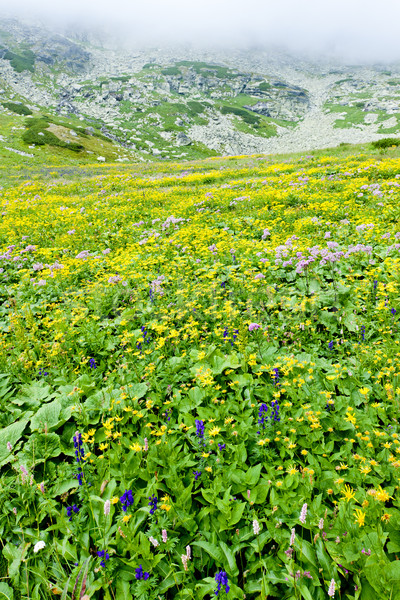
x=256 y=527
x=184 y=560
x=331 y=591
x=303 y=514
x=254 y=326
x=188 y=552
x=164 y=535
x=292 y=536
x=107 y=505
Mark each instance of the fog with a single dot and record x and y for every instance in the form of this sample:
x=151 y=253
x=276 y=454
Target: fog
x=349 y=30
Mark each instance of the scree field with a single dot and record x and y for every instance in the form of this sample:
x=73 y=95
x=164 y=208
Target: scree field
x=200 y=379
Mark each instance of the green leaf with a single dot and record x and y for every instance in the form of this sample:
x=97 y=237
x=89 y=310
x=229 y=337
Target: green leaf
x=65 y=590
x=304 y=591
x=393 y=571
x=232 y=568
x=6 y=593
x=11 y=434
x=253 y=475
x=237 y=512
x=122 y=592
x=211 y=549
x=46 y=417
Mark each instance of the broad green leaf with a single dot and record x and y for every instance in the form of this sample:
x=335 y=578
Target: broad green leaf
x=11 y=434
x=6 y=593
x=237 y=512
x=47 y=417
x=211 y=549
x=232 y=568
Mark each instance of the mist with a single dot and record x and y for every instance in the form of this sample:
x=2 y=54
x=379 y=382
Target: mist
x=351 y=31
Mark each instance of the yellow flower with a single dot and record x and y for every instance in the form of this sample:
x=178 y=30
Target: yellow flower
x=365 y=470
x=348 y=493
x=215 y=431
x=91 y=432
x=364 y=391
x=304 y=452
x=360 y=517
x=126 y=518
x=382 y=495
x=292 y=470
x=209 y=469
x=279 y=483
x=114 y=500
x=386 y=517
x=136 y=447
x=263 y=442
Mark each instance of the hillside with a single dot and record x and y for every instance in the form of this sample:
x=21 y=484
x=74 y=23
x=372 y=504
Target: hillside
x=199 y=378
x=184 y=103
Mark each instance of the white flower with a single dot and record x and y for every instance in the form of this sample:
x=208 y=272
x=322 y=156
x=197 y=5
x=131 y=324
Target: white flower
x=292 y=536
x=107 y=505
x=256 y=527
x=154 y=541
x=303 y=514
x=331 y=591
x=38 y=546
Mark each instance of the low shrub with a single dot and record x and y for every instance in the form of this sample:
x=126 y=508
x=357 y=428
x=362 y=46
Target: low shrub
x=19 y=109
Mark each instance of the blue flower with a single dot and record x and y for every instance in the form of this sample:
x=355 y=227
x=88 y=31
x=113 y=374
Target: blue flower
x=199 y=428
x=153 y=503
x=72 y=509
x=222 y=579
x=126 y=499
x=92 y=363
x=262 y=415
x=103 y=554
x=79 y=455
x=330 y=345
x=139 y=574
x=196 y=474
x=276 y=376
x=221 y=446
x=393 y=311
x=275 y=411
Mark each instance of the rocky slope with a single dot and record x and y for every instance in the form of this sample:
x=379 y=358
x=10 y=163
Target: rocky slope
x=175 y=102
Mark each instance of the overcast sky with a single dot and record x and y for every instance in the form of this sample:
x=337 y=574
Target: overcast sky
x=362 y=30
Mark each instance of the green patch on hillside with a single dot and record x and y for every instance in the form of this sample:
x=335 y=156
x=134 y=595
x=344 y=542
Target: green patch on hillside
x=37 y=133
x=19 y=109
x=203 y=68
x=22 y=61
x=247 y=116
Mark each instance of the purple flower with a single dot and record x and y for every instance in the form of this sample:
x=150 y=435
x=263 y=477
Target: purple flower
x=254 y=326
x=126 y=499
x=153 y=503
x=222 y=580
x=139 y=574
x=199 y=428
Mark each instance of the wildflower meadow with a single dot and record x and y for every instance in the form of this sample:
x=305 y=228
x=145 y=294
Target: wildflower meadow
x=200 y=380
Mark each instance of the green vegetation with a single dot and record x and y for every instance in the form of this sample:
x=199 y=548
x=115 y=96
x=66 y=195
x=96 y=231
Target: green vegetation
x=199 y=379
x=19 y=109
x=247 y=116
x=386 y=143
x=171 y=71
x=24 y=61
x=37 y=133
